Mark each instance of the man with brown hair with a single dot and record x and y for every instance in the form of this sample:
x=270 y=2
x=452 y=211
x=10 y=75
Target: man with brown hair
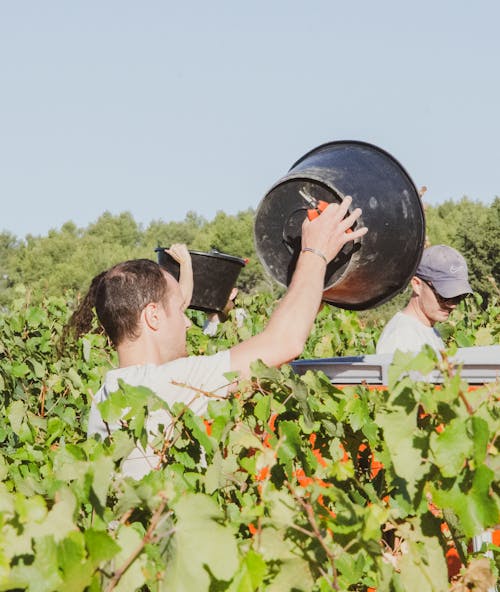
x=141 y=308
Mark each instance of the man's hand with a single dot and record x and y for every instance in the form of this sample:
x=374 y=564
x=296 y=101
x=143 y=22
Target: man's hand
x=180 y=253
x=330 y=231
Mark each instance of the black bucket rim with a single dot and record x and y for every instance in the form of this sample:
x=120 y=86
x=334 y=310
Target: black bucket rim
x=213 y=253
x=352 y=142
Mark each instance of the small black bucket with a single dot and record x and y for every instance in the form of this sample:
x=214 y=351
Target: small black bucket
x=377 y=266
x=214 y=276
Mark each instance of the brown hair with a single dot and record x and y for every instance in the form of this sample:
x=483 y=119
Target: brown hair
x=81 y=320
x=119 y=295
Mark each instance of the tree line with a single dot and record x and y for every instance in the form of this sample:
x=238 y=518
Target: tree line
x=65 y=260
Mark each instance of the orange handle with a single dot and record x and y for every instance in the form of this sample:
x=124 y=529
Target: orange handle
x=314 y=213
x=321 y=207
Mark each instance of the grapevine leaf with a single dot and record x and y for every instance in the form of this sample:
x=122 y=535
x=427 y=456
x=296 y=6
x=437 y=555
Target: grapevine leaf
x=294 y=574
x=129 y=541
x=451 y=447
x=423 y=566
x=401 y=445
x=16 y=414
x=42 y=575
x=201 y=545
x=77 y=571
x=101 y=547
x=250 y=575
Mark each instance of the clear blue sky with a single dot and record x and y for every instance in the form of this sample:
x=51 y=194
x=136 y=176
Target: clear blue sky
x=161 y=107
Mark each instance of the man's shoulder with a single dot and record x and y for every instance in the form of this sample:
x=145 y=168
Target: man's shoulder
x=407 y=333
x=401 y=319
x=193 y=362
x=185 y=363
x=174 y=380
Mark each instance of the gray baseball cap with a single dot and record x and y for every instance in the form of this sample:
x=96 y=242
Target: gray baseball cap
x=446 y=269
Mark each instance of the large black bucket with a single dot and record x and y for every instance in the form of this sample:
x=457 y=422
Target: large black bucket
x=378 y=265
x=214 y=276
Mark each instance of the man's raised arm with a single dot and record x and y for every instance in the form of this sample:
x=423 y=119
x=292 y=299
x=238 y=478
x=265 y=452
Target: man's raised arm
x=285 y=335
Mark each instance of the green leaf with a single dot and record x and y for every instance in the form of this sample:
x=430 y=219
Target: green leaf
x=19 y=369
x=102 y=469
x=38 y=368
x=400 y=442
x=451 y=447
x=195 y=423
x=250 y=576
x=463 y=340
x=101 y=547
x=31 y=509
x=477 y=430
x=113 y=408
x=482 y=508
x=281 y=508
x=291 y=441
x=475 y=508
x=59 y=521
x=16 y=414
x=75 y=378
x=202 y=544
x=221 y=472
x=408 y=364
x=294 y=574
x=263 y=408
x=43 y=574
x=35 y=316
x=358 y=413
x=86 y=349
x=422 y=566
x=77 y=571
x=134 y=577
x=350 y=568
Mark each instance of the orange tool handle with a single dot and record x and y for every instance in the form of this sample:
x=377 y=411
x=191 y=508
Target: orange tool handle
x=320 y=207
x=314 y=213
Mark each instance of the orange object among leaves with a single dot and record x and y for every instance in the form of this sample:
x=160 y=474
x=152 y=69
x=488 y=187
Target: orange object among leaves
x=208 y=426
x=453 y=562
x=272 y=427
x=263 y=474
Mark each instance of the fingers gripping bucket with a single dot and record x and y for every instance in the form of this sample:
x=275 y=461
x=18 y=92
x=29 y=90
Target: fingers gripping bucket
x=377 y=266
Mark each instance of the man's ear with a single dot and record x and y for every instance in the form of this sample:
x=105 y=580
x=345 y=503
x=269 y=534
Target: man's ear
x=150 y=314
x=416 y=285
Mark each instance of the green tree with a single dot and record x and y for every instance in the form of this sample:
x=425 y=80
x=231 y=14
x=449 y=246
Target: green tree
x=444 y=222
x=164 y=234
x=480 y=244
x=473 y=228
x=8 y=247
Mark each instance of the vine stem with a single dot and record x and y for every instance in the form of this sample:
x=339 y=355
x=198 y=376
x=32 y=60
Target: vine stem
x=43 y=392
x=316 y=531
x=148 y=537
x=461 y=394
x=450 y=371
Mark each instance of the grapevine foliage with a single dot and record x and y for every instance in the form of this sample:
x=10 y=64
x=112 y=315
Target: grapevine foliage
x=290 y=484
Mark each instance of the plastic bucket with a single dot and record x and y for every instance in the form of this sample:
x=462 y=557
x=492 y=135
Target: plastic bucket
x=214 y=276
x=374 y=268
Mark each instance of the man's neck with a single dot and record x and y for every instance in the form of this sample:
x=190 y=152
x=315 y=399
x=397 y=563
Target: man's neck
x=137 y=353
x=413 y=309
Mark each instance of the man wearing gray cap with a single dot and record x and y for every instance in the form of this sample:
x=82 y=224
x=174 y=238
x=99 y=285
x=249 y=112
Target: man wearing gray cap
x=439 y=284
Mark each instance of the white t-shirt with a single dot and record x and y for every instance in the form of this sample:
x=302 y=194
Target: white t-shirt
x=407 y=334
x=181 y=380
